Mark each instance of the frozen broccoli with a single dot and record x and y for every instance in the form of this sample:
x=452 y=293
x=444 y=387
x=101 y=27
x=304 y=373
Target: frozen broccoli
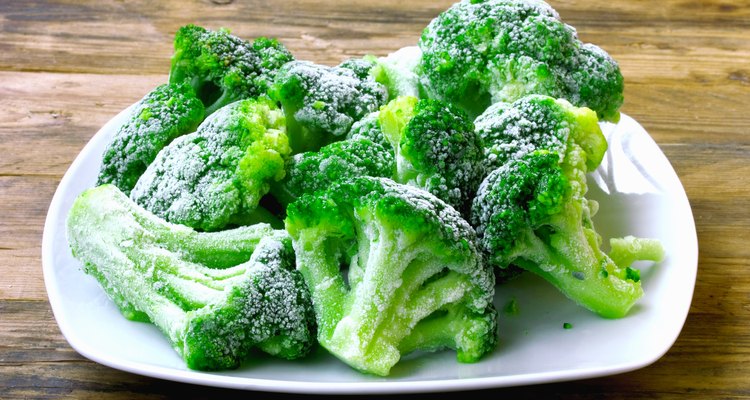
x=310 y=172
x=216 y=296
x=398 y=72
x=369 y=128
x=481 y=52
x=321 y=103
x=532 y=212
x=217 y=175
x=392 y=269
x=223 y=68
x=435 y=148
x=535 y=122
x=167 y=112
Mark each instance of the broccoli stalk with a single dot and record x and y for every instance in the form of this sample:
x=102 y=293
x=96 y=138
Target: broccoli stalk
x=532 y=212
x=412 y=280
x=217 y=175
x=167 y=112
x=477 y=53
x=223 y=68
x=215 y=296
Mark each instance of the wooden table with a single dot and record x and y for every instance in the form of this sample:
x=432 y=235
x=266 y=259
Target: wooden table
x=66 y=67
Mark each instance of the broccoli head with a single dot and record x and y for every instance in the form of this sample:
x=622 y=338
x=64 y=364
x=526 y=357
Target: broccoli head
x=398 y=72
x=217 y=175
x=532 y=212
x=436 y=148
x=369 y=128
x=321 y=103
x=167 y=112
x=477 y=53
x=216 y=296
x=312 y=171
x=536 y=122
x=392 y=269
x=223 y=68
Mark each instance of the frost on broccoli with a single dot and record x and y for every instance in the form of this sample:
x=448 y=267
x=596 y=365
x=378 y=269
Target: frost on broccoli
x=435 y=148
x=536 y=122
x=532 y=212
x=313 y=171
x=216 y=296
x=167 y=112
x=398 y=72
x=223 y=68
x=369 y=128
x=392 y=269
x=481 y=52
x=217 y=175
x=321 y=103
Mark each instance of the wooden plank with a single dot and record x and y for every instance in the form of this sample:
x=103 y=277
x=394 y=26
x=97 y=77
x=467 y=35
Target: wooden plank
x=34 y=358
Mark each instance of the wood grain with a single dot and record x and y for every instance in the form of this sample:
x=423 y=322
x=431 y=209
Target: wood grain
x=67 y=67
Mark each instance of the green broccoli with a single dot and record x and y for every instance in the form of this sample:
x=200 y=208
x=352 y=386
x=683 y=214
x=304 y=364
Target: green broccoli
x=369 y=128
x=217 y=175
x=398 y=72
x=321 y=103
x=412 y=278
x=216 y=296
x=534 y=122
x=167 y=112
x=532 y=212
x=311 y=171
x=224 y=68
x=435 y=148
x=481 y=52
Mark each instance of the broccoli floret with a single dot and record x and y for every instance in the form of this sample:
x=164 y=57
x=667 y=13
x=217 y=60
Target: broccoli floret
x=436 y=148
x=392 y=269
x=216 y=296
x=224 y=68
x=321 y=103
x=217 y=175
x=398 y=72
x=369 y=128
x=167 y=112
x=535 y=122
x=310 y=172
x=532 y=212
x=481 y=52
x=360 y=66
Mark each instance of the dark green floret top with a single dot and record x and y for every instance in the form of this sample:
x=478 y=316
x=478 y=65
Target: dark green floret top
x=321 y=103
x=222 y=68
x=167 y=112
x=481 y=52
x=310 y=172
x=537 y=122
x=436 y=148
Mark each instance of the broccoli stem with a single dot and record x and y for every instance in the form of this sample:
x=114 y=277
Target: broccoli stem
x=625 y=251
x=573 y=262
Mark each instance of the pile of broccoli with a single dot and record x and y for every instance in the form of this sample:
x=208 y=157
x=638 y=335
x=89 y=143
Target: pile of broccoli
x=256 y=201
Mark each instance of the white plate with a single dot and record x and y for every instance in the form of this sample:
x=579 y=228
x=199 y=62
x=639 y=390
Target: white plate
x=639 y=194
